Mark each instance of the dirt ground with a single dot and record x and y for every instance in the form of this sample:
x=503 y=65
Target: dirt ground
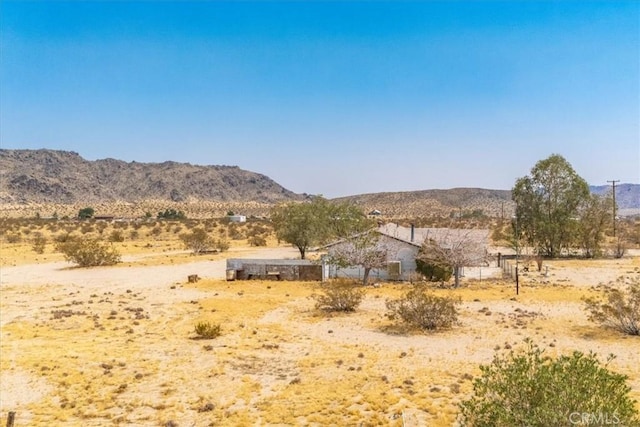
x=116 y=345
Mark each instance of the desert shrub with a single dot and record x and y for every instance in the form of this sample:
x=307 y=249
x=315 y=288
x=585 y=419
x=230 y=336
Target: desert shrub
x=116 y=236
x=134 y=234
x=86 y=213
x=620 y=311
x=207 y=330
x=38 y=243
x=171 y=214
x=339 y=295
x=156 y=231
x=420 y=309
x=257 y=240
x=222 y=244
x=88 y=252
x=13 y=238
x=434 y=272
x=198 y=241
x=528 y=388
x=235 y=233
x=63 y=237
x=87 y=228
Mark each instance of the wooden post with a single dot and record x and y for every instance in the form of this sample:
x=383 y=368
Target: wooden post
x=11 y=418
x=517 y=284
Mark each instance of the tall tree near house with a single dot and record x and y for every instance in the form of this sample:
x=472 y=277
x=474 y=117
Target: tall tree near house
x=547 y=204
x=362 y=250
x=595 y=219
x=456 y=249
x=308 y=224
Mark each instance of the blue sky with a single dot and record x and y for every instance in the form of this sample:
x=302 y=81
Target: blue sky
x=332 y=98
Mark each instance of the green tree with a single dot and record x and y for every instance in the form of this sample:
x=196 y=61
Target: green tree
x=548 y=203
x=528 y=388
x=595 y=219
x=314 y=222
x=86 y=213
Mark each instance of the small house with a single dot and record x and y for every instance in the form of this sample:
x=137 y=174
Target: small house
x=237 y=218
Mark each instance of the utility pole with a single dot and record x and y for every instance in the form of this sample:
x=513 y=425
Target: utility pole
x=613 y=183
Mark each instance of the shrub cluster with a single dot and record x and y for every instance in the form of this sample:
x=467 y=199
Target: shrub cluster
x=527 y=388
x=420 y=309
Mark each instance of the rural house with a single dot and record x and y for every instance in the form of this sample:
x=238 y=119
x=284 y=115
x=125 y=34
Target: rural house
x=402 y=245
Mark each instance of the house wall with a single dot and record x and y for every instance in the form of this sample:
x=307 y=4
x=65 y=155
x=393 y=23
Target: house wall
x=287 y=269
x=396 y=251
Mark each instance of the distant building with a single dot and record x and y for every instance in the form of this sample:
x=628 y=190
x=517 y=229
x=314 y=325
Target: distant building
x=374 y=213
x=237 y=218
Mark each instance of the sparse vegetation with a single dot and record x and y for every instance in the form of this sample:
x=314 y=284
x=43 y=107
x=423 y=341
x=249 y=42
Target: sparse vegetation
x=529 y=388
x=423 y=310
x=171 y=214
x=620 y=311
x=198 y=241
x=339 y=295
x=88 y=252
x=207 y=330
x=38 y=243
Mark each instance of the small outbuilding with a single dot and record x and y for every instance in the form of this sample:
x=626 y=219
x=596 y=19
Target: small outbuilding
x=237 y=218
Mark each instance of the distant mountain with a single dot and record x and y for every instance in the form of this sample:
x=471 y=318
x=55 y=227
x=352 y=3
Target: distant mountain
x=63 y=177
x=50 y=176
x=436 y=202
x=627 y=195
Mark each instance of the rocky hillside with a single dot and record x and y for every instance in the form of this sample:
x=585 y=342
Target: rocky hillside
x=49 y=176
x=455 y=201
x=627 y=195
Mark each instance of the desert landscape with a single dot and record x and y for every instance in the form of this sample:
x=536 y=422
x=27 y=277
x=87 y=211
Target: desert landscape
x=116 y=345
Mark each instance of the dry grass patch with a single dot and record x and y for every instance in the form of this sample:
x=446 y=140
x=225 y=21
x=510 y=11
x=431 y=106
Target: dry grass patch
x=94 y=356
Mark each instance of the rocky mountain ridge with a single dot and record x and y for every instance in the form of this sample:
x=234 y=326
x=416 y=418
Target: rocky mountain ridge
x=51 y=176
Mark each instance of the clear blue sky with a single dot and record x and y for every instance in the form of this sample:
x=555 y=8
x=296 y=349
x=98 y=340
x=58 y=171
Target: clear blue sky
x=332 y=98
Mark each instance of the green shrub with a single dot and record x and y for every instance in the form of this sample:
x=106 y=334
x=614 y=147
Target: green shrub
x=172 y=214
x=86 y=213
x=527 y=388
x=420 y=309
x=340 y=295
x=207 y=330
x=88 y=252
x=434 y=272
x=621 y=311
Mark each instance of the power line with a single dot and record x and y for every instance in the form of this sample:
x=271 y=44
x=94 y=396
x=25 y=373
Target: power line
x=613 y=183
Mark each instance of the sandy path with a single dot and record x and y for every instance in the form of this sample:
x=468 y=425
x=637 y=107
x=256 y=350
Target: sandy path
x=61 y=280
x=57 y=273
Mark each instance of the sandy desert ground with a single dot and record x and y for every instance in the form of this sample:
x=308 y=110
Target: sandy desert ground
x=116 y=345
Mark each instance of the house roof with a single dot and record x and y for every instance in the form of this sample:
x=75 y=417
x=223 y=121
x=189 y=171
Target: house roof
x=421 y=234
x=403 y=234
